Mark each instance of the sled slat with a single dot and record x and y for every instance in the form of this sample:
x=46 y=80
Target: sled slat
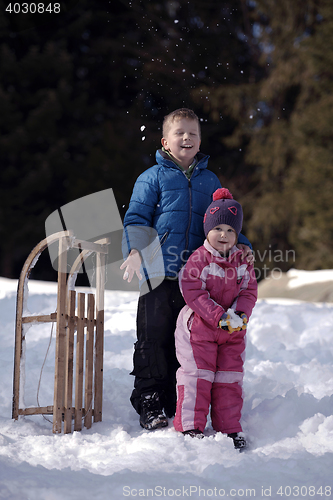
x=88 y=245
x=59 y=378
x=69 y=363
x=99 y=342
x=89 y=362
x=39 y=410
x=79 y=363
x=42 y=318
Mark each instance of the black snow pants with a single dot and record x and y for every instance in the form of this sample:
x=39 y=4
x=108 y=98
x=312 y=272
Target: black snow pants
x=154 y=360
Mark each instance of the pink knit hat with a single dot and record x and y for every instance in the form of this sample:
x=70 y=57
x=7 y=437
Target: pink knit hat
x=223 y=210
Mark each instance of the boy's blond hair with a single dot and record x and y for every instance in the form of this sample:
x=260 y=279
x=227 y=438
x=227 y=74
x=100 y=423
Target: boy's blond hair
x=179 y=114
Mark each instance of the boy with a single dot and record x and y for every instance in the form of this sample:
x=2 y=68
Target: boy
x=220 y=291
x=170 y=197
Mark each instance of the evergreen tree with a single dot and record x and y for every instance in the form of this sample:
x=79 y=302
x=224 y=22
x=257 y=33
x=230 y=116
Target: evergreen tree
x=83 y=95
x=283 y=119
x=292 y=148
x=77 y=88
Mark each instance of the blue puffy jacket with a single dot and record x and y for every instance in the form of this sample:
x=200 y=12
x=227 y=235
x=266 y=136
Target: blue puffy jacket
x=166 y=200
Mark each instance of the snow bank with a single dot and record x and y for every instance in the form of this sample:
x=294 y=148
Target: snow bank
x=311 y=286
x=300 y=278
x=287 y=416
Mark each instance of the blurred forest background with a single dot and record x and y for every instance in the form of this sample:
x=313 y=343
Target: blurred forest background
x=77 y=88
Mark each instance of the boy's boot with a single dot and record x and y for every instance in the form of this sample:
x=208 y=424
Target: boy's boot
x=151 y=415
x=239 y=440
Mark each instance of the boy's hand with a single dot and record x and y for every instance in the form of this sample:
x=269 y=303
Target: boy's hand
x=132 y=265
x=247 y=253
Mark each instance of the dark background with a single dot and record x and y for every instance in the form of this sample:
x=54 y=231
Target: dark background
x=77 y=86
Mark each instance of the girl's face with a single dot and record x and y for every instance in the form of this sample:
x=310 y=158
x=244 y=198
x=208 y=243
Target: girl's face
x=222 y=238
x=183 y=141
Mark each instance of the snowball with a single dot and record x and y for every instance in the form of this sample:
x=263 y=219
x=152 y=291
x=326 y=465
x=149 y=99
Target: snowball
x=235 y=321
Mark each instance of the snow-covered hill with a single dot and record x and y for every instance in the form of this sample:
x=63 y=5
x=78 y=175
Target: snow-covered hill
x=287 y=416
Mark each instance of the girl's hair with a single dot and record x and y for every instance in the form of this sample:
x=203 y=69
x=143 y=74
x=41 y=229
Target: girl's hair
x=178 y=114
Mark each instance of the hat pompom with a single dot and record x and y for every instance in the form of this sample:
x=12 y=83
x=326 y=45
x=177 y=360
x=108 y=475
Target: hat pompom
x=222 y=194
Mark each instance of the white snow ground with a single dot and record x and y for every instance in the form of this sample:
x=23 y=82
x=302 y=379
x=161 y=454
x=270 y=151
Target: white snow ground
x=287 y=416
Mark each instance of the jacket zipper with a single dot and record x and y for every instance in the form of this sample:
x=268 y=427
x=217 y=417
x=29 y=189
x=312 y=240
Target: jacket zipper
x=190 y=206
x=190 y=216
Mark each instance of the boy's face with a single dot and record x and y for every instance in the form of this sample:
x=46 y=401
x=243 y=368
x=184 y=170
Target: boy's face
x=182 y=140
x=222 y=238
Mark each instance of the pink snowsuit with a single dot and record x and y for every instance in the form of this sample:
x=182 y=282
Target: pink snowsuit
x=211 y=359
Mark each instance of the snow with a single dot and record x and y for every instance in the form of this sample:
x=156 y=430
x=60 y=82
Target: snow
x=300 y=278
x=235 y=320
x=287 y=415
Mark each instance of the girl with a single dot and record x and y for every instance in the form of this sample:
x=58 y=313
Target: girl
x=220 y=291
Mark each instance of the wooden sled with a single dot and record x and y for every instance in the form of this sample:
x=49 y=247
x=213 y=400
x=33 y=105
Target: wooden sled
x=88 y=322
